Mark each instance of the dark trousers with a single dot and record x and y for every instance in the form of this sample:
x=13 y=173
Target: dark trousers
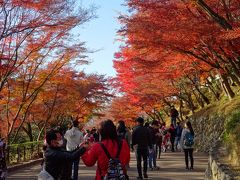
x=158 y=151
x=188 y=152
x=75 y=169
x=172 y=139
x=66 y=171
x=141 y=154
x=159 y=147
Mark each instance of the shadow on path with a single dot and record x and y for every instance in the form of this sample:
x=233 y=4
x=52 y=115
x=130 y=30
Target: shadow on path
x=171 y=165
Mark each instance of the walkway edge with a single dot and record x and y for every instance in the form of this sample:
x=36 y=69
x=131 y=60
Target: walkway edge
x=24 y=165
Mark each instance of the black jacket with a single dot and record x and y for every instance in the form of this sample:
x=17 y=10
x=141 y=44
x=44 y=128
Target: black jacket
x=56 y=159
x=141 y=137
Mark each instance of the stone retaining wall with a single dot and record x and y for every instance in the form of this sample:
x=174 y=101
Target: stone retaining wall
x=217 y=171
x=209 y=132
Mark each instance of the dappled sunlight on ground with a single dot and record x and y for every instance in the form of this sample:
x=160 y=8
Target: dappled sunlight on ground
x=171 y=167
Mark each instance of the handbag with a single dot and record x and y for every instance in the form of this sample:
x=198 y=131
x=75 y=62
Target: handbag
x=44 y=175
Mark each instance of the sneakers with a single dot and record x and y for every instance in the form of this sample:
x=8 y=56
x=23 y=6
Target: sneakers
x=156 y=168
x=139 y=177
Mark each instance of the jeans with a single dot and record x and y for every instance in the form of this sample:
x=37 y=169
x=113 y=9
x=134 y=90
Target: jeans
x=190 y=153
x=177 y=142
x=152 y=157
x=173 y=121
x=141 y=153
x=75 y=169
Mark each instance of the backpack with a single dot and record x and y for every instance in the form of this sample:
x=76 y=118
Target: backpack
x=188 y=139
x=114 y=171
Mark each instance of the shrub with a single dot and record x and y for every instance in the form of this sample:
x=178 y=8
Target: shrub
x=233 y=123
x=232 y=137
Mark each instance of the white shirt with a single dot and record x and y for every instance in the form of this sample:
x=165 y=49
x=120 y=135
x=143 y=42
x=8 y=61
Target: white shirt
x=74 y=137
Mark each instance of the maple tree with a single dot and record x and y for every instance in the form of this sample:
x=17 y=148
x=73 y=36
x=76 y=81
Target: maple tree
x=121 y=108
x=65 y=96
x=34 y=27
x=178 y=49
x=35 y=42
x=24 y=88
x=76 y=96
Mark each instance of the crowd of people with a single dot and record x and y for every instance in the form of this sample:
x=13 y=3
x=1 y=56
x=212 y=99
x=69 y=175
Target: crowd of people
x=111 y=144
x=109 y=147
x=149 y=140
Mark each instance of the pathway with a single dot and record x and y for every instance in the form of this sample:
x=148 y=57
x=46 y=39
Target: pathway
x=171 y=168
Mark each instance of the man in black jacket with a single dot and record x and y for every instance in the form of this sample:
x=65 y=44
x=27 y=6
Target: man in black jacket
x=141 y=140
x=55 y=158
x=174 y=115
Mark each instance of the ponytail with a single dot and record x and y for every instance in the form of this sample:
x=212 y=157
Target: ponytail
x=189 y=125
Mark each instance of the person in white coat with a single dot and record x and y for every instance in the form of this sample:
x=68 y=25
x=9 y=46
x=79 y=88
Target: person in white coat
x=74 y=137
x=186 y=142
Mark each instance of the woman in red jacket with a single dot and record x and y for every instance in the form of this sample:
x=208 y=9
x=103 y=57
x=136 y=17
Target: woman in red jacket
x=110 y=140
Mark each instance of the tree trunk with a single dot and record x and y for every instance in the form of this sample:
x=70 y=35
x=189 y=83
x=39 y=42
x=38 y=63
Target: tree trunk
x=40 y=132
x=188 y=100
x=28 y=131
x=180 y=109
x=232 y=76
x=160 y=116
x=206 y=100
x=217 y=83
x=216 y=94
x=235 y=68
x=190 y=103
x=226 y=86
x=235 y=79
x=166 y=112
x=212 y=14
x=199 y=100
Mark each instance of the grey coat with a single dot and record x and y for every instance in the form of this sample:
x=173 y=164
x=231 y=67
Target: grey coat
x=184 y=132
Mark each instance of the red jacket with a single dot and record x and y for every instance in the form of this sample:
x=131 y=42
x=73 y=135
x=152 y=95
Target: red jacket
x=96 y=154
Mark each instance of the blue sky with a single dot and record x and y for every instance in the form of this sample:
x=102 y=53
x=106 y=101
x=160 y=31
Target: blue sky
x=100 y=33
